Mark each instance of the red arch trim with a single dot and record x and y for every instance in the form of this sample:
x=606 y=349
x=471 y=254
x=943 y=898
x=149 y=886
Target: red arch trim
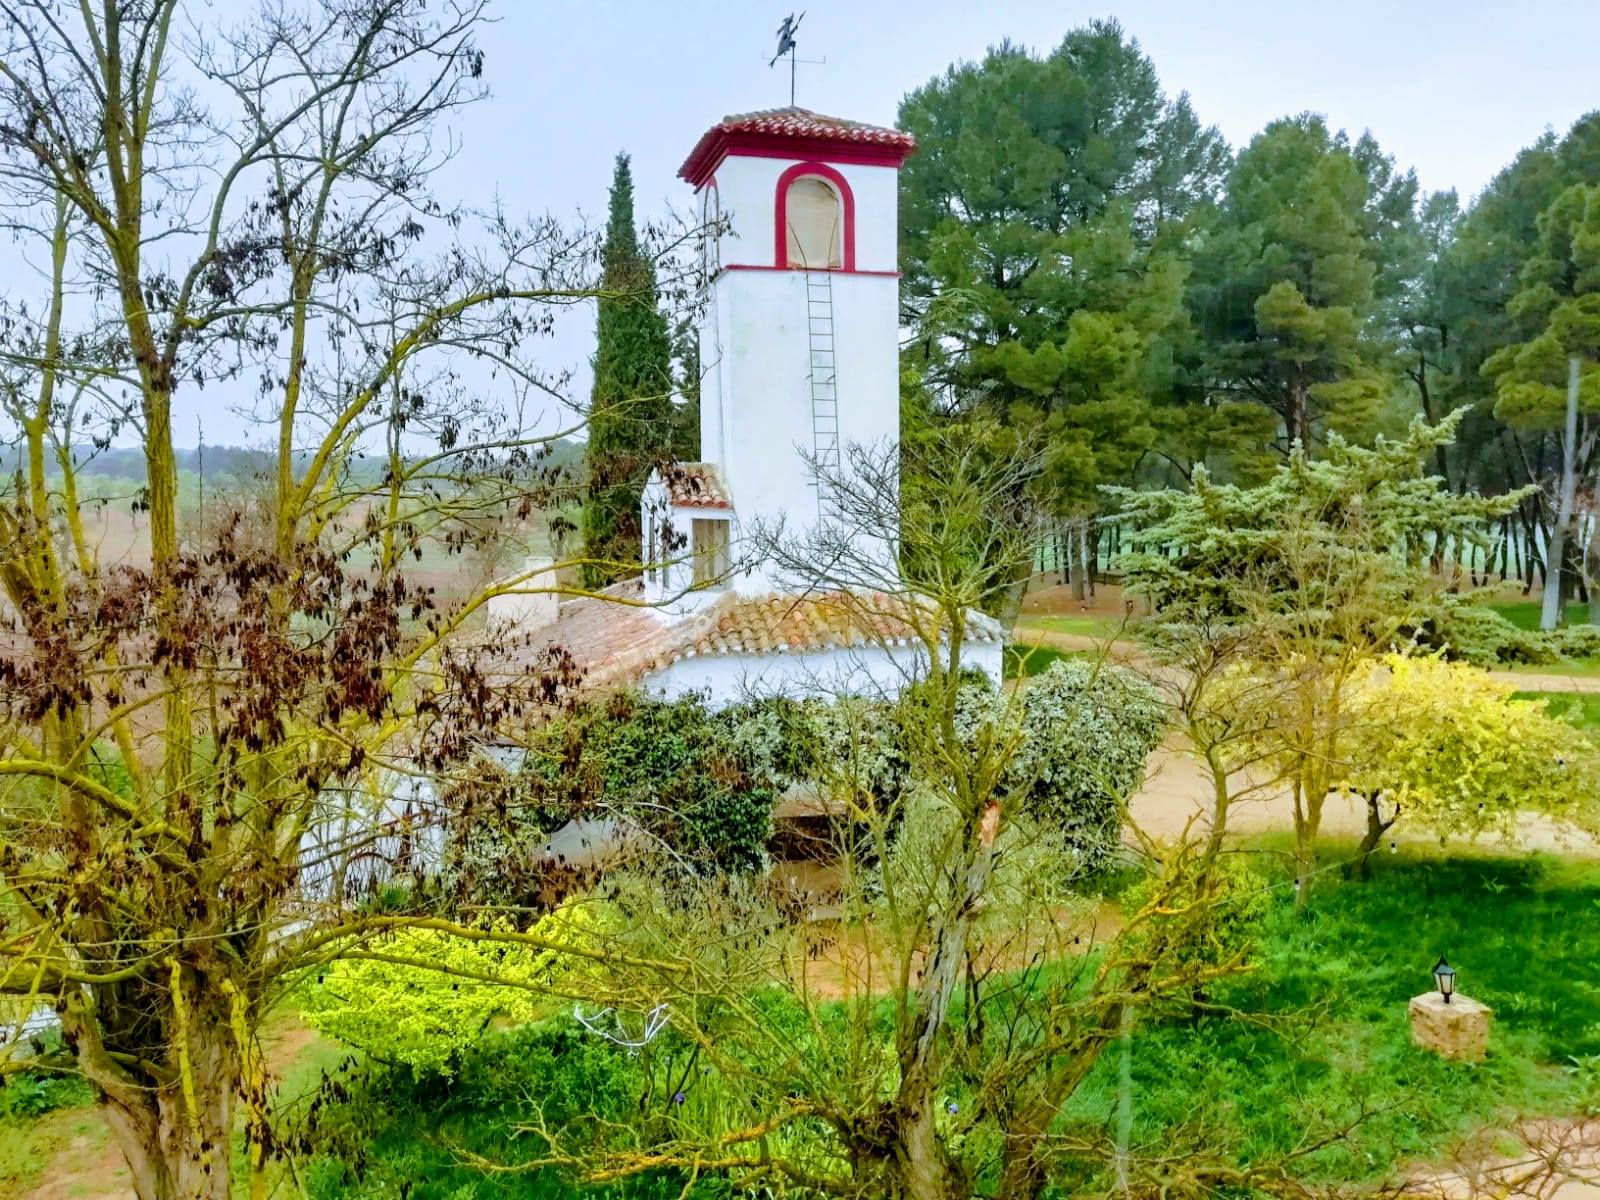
x=780 y=208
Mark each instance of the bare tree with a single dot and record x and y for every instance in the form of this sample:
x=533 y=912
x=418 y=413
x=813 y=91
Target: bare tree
x=238 y=211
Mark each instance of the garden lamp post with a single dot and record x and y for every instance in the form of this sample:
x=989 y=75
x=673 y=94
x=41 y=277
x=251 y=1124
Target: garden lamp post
x=1452 y=1026
x=1444 y=976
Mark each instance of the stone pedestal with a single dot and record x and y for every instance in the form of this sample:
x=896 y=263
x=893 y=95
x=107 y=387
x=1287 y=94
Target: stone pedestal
x=1457 y=1030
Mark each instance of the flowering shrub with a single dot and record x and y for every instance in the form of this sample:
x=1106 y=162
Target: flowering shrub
x=676 y=769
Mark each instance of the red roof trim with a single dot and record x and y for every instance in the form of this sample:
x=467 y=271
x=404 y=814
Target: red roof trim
x=830 y=270
x=794 y=133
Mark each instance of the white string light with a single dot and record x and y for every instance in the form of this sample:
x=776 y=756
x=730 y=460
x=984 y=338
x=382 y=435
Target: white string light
x=654 y=1022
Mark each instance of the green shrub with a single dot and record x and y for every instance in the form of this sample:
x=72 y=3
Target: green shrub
x=675 y=768
x=386 y=1134
x=1471 y=632
x=434 y=996
x=704 y=782
x=1089 y=730
x=1464 y=629
x=1577 y=641
x=1240 y=900
x=32 y=1094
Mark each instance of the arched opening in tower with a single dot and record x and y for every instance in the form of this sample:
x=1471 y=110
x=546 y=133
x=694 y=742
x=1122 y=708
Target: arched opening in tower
x=816 y=221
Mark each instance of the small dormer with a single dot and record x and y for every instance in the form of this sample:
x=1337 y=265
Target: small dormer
x=687 y=520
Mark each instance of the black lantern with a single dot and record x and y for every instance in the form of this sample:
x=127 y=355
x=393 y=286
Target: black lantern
x=1444 y=978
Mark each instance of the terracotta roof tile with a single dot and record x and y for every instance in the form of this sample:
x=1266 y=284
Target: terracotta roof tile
x=616 y=643
x=800 y=124
x=793 y=121
x=695 y=485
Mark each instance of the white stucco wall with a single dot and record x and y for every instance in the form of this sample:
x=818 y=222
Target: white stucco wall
x=536 y=604
x=669 y=573
x=756 y=398
x=862 y=671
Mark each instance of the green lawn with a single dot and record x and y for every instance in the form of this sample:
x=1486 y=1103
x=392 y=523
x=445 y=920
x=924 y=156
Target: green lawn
x=1023 y=660
x=1523 y=933
x=1080 y=626
x=1313 y=1038
x=1577 y=668
x=1581 y=708
x=1524 y=614
x=29 y=1143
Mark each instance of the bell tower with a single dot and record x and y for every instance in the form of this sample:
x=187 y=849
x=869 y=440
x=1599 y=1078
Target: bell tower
x=799 y=340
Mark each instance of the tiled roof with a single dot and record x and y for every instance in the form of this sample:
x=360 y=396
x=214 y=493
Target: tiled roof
x=792 y=122
x=776 y=624
x=614 y=643
x=695 y=485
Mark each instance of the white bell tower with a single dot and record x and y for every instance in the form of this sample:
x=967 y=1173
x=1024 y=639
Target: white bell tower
x=799 y=342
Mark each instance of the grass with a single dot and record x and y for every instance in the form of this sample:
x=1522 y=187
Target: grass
x=1081 y=626
x=1524 y=614
x=28 y=1145
x=1315 y=1037
x=1517 y=929
x=1581 y=708
x=73 y=1134
x=1022 y=660
x=1576 y=668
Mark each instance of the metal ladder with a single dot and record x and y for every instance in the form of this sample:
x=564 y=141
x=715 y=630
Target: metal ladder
x=824 y=381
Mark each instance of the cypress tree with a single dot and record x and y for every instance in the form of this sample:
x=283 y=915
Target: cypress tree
x=630 y=411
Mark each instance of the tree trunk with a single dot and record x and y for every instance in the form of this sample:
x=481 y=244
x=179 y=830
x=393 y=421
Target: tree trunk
x=1079 y=560
x=1555 y=554
x=171 y=1152
x=1091 y=566
x=1011 y=604
x=1298 y=419
x=925 y=1170
x=1307 y=817
x=924 y=1161
x=1361 y=868
x=176 y=1135
x=1594 y=569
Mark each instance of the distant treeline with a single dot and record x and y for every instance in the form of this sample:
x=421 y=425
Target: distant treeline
x=217 y=462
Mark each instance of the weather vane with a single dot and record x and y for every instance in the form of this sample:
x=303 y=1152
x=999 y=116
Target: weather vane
x=787 y=45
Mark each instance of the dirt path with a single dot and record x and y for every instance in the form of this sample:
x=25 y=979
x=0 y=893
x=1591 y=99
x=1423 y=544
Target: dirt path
x=85 y=1163
x=1176 y=793
x=1552 y=1160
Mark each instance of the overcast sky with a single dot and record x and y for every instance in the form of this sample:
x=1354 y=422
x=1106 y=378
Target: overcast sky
x=1451 y=87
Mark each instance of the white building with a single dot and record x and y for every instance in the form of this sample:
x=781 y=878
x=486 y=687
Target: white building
x=799 y=344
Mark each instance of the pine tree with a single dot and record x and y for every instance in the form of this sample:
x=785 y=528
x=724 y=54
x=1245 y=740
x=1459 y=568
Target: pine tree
x=1287 y=284
x=1552 y=380
x=630 y=414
